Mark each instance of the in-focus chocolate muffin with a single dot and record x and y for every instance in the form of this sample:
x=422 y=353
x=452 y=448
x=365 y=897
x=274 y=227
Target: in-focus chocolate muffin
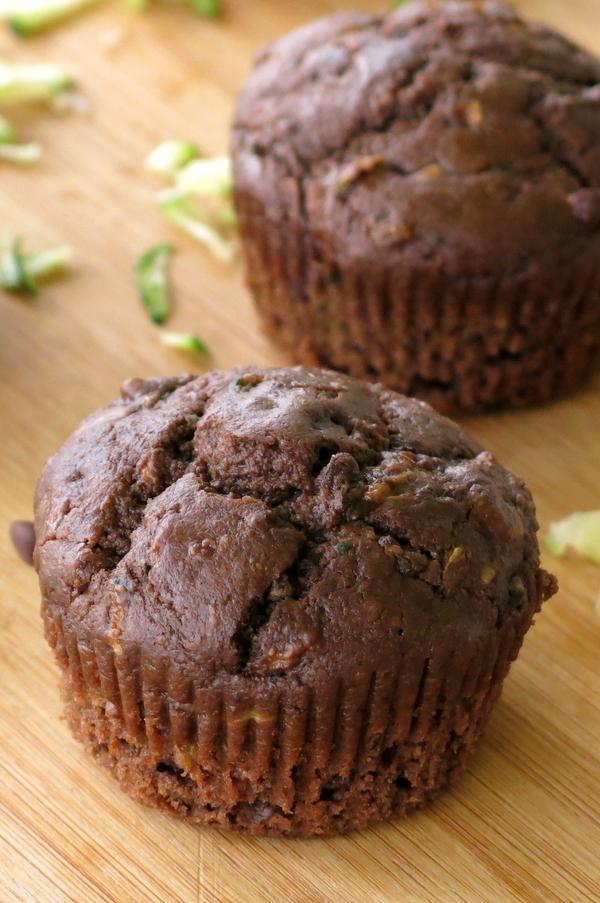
x=284 y=601
x=419 y=201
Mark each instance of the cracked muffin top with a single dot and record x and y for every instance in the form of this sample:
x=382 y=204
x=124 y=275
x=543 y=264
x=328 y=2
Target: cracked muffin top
x=264 y=523
x=445 y=133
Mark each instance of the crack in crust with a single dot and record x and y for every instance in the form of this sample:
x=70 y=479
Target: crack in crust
x=292 y=640
x=418 y=199
x=407 y=110
x=336 y=473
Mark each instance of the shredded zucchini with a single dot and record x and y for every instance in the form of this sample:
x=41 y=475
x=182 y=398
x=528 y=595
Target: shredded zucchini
x=152 y=273
x=24 y=154
x=169 y=158
x=7 y=132
x=29 y=17
x=190 y=218
x=20 y=272
x=31 y=83
x=184 y=341
x=579 y=531
x=200 y=202
x=209 y=9
x=208 y=178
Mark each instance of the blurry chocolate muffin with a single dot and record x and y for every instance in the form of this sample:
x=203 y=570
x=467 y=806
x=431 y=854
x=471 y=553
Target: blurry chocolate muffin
x=284 y=601
x=419 y=201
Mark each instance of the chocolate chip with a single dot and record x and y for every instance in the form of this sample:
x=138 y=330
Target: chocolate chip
x=23 y=539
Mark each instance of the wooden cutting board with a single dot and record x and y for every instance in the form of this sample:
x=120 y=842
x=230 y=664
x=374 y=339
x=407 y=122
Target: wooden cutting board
x=524 y=824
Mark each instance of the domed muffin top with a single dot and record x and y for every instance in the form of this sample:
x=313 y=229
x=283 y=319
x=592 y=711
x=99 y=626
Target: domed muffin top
x=280 y=522
x=448 y=134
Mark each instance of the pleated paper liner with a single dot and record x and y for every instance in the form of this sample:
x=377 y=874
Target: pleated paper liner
x=461 y=343
x=280 y=757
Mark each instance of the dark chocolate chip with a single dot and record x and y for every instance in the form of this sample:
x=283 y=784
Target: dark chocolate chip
x=23 y=539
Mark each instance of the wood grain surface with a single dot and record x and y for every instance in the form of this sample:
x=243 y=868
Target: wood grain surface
x=524 y=824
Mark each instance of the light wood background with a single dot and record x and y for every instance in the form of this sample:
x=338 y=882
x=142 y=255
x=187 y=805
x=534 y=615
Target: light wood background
x=524 y=824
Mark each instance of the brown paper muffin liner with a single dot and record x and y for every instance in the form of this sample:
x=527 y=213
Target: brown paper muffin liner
x=462 y=344
x=284 y=760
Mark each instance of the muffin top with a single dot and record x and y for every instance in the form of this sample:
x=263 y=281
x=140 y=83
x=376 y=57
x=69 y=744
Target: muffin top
x=444 y=134
x=268 y=523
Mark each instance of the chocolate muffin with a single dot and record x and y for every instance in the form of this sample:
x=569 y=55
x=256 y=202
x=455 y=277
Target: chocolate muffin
x=284 y=601
x=419 y=201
